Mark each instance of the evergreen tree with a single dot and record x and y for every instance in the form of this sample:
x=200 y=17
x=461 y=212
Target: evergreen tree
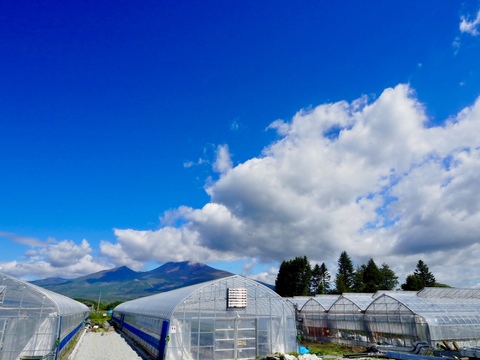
x=346 y=274
x=294 y=278
x=358 y=284
x=372 y=277
x=320 y=283
x=412 y=282
x=340 y=286
x=325 y=279
x=284 y=280
x=315 y=282
x=389 y=279
x=424 y=274
x=421 y=277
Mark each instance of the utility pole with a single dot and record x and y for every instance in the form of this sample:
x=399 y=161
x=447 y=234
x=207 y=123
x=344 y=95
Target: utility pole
x=98 y=304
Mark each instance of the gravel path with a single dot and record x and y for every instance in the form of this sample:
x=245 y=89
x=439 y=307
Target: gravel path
x=103 y=346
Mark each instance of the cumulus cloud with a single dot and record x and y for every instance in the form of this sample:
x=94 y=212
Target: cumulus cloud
x=63 y=258
x=470 y=26
x=134 y=248
x=267 y=277
x=372 y=178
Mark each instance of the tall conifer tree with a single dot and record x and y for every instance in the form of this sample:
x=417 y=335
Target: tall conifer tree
x=294 y=278
x=346 y=274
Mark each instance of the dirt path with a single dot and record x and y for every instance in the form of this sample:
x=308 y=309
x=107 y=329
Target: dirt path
x=103 y=346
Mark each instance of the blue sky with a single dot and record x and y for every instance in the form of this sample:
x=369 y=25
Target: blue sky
x=239 y=134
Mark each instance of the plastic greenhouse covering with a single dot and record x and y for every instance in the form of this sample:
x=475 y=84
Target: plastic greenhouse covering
x=229 y=318
x=36 y=323
x=397 y=318
x=298 y=301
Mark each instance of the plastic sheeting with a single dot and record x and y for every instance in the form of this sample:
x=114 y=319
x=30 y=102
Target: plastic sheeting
x=32 y=319
x=203 y=327
x=397 y=318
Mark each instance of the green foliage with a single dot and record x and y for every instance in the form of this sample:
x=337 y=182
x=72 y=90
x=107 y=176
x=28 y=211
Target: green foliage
x=294 y=278
x=358 y=284
x=99 y=318
x=320 y=283
x=94 y=305
x=421 y=278
x=346 y=274
x=389 y=279
x=413 y=283
x=340 y=286
x=112 y=305
x=297 y=278
x=331 y=349
x=442 y=285
x=372 y=277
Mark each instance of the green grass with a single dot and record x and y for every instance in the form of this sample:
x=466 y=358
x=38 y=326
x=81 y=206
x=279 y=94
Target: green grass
x=333 y=349
x=97 y=318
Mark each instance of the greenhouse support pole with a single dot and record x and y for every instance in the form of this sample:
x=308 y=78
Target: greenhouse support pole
x=163 y=340
x=57 y=342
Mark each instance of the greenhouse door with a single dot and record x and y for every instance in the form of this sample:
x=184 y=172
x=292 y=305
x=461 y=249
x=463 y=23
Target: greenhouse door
x=235 y=339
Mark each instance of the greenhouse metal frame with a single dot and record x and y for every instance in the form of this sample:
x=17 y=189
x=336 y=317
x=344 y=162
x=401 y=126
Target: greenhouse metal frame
x=313 y=317
x=36 y=323
x=229 y=318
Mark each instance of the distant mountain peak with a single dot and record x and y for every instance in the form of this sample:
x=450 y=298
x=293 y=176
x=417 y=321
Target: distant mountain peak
x=123 y=283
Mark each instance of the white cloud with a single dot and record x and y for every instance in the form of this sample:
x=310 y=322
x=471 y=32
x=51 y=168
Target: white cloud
x=24 y=240
x=64 y=258
x=470 y=27
x=65 y=252
x=135 y=247
x=267 y=277
x=374 y=179
x=223 y=161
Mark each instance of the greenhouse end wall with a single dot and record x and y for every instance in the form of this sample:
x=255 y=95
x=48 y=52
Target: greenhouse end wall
x=36 y=323
x=229 y=318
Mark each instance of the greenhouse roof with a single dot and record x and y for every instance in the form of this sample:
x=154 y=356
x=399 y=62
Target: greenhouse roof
x=298 y=301
x=432 y=309
x=351 y=302
x=326 y=300
x=163 y=305
x=21 y=294
x=313 y=305
x=451 y=293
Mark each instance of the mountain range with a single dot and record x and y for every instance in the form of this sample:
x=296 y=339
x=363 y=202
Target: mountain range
x=123 y=283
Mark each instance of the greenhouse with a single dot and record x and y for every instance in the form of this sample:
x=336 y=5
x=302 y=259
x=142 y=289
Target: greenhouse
x=345 y=318
x=395 y=318
x=402 y=318
x=36 y=323
x=230 y=318
x=297 y=301
x=313 y=317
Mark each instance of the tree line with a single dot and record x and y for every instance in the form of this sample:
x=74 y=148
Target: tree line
x=101 y=306
x=297 y=277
